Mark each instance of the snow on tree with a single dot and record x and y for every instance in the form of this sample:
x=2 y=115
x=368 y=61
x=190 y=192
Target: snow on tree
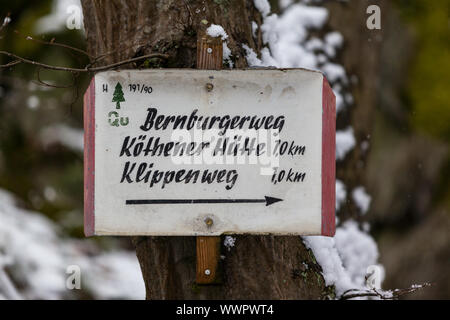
x=343 y=259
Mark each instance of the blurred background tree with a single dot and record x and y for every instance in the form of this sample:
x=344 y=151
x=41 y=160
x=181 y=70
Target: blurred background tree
x=41 y=138
x=408 y=170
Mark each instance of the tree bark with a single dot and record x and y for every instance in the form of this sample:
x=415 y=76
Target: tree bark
x=258 y=267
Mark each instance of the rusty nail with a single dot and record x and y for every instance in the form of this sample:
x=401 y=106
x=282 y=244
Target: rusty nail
x=209 y=87
x=209 y=222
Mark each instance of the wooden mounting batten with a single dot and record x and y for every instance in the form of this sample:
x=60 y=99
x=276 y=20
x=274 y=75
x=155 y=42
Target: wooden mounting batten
x=209 y=56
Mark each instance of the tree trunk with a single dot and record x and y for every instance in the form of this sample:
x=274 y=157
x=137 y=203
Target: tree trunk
x=257 y=267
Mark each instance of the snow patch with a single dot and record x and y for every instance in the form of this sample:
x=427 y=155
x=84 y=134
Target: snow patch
x=327 y=256
x=71 y=138
x=254 y=28
x=113 y=275
x=345 y=141
x=263 y=6
x=285 y=35
x=33 y=102
x=341 y=194
x=36 y=256
x=362 y=199
x=229 y=242
x=56 y=20
x=344 y=259
x=333 y=40
x=334 y=72
x=357 y=250
x=285 y=3
x=215 y=30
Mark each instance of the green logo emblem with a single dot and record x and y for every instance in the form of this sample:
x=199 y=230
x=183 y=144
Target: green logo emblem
x=114 y=118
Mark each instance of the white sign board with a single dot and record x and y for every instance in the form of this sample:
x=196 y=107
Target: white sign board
x=202 y=152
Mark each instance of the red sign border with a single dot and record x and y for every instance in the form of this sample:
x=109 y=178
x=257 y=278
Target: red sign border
x=328 y=160
x=89 y=159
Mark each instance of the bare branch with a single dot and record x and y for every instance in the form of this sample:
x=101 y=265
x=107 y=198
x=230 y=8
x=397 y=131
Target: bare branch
x=10 y=64
x=53 y=43
x=383 y=295
x=45 y=84
x=86 y=69
x=108 y=53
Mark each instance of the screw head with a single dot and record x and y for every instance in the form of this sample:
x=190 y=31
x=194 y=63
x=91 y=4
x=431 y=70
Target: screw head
x=209 y=87
x=209 y=222
x=207 y=272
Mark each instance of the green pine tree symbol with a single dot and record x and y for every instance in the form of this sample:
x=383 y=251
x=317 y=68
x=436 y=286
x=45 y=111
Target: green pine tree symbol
x=118 y=95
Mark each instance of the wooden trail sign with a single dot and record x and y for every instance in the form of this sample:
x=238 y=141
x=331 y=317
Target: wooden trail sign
x=208 y=152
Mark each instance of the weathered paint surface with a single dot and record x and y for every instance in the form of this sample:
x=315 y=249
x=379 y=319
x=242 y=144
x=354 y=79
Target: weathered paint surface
x=301 y=97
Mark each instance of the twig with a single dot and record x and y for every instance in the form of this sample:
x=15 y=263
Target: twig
x=108 y=53
x=53 y=43
x=87 y=69
x=11 y=64
x=43 y=83
x=383 y=295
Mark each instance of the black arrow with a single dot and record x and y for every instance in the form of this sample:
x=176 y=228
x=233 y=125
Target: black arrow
x=267 y=200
